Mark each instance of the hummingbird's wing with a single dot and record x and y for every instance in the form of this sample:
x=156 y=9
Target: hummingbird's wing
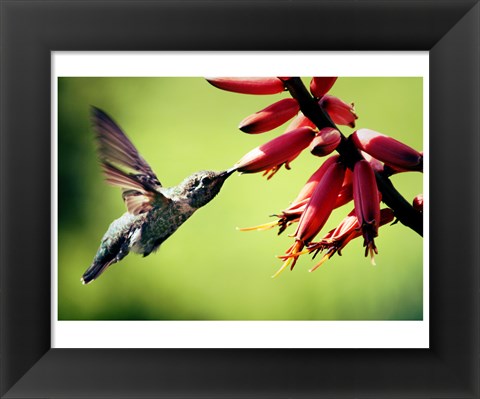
x=140 y=188
x=139 y=196
x=115 y=147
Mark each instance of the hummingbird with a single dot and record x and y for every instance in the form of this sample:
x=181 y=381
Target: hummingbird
x=154 y=212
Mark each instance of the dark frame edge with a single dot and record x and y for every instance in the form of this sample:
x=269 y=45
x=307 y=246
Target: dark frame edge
x=31 y=368
x=458 y=52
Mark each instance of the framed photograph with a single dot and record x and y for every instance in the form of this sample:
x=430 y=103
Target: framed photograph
x=368 y=150
x=203 y=292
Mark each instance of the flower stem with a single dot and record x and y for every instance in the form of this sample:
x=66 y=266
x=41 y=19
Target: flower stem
x=404 y=212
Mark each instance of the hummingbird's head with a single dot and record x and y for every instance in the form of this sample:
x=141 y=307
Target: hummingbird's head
x=203 y=186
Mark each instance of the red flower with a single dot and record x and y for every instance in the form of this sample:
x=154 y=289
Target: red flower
x=317 y=212
x=418 y=202
x=335 y=240
x=346 y=192
x=293 y=213
x=392 y=152
x=285 y=218
x=332 y=185
x=340 y=112
x=271 y=117
x=376 y=165
x=319 y=86
x=298 y=205
x=367 y=205
x=299 y=121
x=311 y=184
x=248 y=85
x=325 y=142
x=269 y=157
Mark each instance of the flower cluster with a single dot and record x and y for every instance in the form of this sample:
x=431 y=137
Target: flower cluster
x=349 y=175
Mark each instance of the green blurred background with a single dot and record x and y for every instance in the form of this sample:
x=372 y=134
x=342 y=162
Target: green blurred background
x=208 y=270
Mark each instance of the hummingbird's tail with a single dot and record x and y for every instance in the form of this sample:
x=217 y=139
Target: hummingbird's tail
x=97 y=268
x=102 y=260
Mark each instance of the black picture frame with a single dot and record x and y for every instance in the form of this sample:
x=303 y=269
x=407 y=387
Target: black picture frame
x=30 y=30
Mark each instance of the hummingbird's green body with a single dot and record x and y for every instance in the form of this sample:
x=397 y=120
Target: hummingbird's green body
x=154 y=212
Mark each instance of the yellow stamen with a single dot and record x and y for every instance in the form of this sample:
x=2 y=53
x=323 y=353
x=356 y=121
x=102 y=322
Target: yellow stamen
x=294 y=254
x=326 y=257
x=372 y=255
x=271 y=172
x=266 y=226
x=284 y=266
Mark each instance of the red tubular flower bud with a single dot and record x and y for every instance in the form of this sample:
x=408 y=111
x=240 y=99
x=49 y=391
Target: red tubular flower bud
x=316 y=214
x=290 y=215
x=340 y=112
x=309 y=187
x=348 y=229
x=376 y=165
x=272 y=155
x=319 y=86
x=248 y=85
x=293 y=213
x=321 y=204
x=392 y=152
x=367 y=205
x=271 y=117
x=418 y=203
x=325 y=142
x=299 y=121
x=345 y=195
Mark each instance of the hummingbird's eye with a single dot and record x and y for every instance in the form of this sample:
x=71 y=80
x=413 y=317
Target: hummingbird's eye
x=206 y=180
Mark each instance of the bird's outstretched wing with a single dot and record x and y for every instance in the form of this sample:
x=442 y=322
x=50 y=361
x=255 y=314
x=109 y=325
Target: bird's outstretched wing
x=124 y=166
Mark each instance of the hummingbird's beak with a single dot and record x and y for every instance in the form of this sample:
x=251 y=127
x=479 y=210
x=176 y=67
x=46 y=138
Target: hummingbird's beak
x=227 y=173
